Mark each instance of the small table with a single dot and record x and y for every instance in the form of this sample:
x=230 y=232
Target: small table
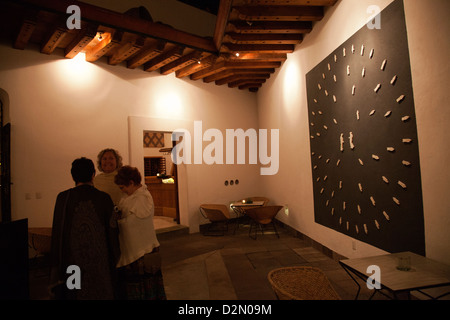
x=424 y=273
x=239 y=206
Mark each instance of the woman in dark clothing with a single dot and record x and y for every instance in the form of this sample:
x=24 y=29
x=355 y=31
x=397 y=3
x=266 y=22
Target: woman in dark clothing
x=85 y=235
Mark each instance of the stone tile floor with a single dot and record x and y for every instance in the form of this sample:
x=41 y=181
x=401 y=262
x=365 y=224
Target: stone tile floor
x=229 y=267
x=235 y=267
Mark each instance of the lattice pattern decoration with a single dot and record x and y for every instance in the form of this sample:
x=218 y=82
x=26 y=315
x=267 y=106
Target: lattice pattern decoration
x=153 y=139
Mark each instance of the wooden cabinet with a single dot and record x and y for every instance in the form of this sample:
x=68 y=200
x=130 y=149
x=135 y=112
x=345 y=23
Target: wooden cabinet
x=164 y=197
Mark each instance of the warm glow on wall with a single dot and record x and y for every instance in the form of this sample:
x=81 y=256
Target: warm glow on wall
x=169 y=105
x=291 y=79
x=292 y=84
x=77 y=72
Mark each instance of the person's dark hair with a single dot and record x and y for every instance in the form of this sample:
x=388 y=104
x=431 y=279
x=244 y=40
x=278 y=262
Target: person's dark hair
x=115 y=153
x=126 y=174
x=83 y=170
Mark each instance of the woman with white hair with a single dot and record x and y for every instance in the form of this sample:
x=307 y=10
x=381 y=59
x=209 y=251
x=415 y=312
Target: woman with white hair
x=108 y=162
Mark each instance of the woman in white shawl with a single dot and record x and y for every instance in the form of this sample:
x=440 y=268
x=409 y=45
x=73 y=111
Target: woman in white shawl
x=140 y=262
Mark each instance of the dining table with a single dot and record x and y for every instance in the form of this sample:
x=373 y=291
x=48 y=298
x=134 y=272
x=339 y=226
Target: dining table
x=239 y=208
x=390 y=273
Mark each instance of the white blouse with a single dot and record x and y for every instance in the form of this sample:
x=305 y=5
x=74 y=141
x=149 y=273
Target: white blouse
x=137 y=234
x=105 y=182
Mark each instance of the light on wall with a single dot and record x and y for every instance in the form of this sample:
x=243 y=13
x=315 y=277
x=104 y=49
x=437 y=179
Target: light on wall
x=291 y=81
x=77 y=72
x=169 y=105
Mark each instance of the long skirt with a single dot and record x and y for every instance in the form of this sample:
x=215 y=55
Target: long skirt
x=142 y=279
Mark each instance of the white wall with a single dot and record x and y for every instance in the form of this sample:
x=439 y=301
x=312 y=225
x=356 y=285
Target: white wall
x=61 y=109
x=282 y=104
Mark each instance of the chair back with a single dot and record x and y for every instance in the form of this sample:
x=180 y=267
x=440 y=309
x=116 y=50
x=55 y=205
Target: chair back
x=264 y=214
x=215 y=212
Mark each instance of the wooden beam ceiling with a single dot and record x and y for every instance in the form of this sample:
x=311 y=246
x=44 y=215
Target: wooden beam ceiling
x=251 y=38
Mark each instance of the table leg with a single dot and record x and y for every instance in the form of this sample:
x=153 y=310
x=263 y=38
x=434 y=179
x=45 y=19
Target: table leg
x=354 y=280
x=431 y=297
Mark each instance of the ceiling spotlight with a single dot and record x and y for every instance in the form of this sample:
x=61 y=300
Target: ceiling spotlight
x=237 y=54
x=100 y=38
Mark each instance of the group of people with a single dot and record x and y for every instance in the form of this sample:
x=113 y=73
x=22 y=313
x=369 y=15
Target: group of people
x=104 y=227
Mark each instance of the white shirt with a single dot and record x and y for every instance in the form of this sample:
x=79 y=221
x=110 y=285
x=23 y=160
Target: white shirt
x=136 y=230
x=105 y=182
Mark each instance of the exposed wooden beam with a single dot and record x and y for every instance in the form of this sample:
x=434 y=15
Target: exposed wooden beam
x=81 y=40
x=238 y=83
x=164 y=58
x=125 y=50
x=110 y=42
x=182 y=62
x=326 y=3
x=223 y=65
x=196 y=67
x=237 y=77
x=146 y=54
x=53 y=39
x=260 y=48
x=231 y=72
x=255 y=56
x=263 y=38
x=221 y=22
x=252 y=65
x=270 y=26
x=218 y=67
x=261 y=31
x=278 y=13
x=102 y=16
x=253 y=87
x=24 y=34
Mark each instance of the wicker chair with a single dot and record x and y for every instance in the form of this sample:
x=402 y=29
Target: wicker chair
x=262 y=218
x=40 y=240
x=301 y=283
x=218 y=215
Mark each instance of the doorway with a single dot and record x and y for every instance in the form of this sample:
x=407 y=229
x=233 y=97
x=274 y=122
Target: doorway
x=161 y=177
x=136 y=126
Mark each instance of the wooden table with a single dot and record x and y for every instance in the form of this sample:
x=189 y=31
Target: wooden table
x=239 y=206
x=424 y=273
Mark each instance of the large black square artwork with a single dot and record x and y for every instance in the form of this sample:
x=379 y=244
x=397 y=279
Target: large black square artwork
x=364 y=148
